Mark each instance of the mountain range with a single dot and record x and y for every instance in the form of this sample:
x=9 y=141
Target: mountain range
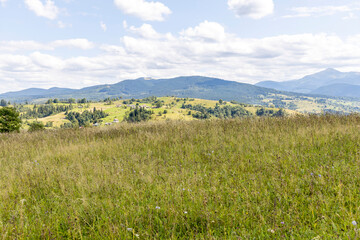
x=193 y=87
x=330 y=82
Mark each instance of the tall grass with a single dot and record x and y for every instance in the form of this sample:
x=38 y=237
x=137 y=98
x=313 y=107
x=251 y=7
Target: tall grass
x=292 y=178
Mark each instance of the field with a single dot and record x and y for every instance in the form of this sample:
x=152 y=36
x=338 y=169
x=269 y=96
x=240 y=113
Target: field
x=253 y=178
x=312 y=104
x=118 y=110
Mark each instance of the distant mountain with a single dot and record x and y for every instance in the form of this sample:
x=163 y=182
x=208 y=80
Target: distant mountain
x=194 y=86
x=35 y=93
x=339 y=90
x=324 y=82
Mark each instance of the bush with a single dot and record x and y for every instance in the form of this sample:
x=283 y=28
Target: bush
x=36 y=126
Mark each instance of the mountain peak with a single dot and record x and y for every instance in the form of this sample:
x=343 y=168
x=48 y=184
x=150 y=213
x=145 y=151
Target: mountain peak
x=330 y=70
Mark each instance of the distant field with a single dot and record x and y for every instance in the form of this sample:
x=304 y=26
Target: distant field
x=253 y=178
x=312 y=104
x=118 y=110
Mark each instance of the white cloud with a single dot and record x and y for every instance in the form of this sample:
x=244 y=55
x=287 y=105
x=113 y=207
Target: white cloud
x=145 y=31
x=2 y=2
x=125 y=25
x=148 y=11
x=322 y=11
x=103 y=26
x=253 y=8
x=211 y=31
x=13 y=46
x=61 y=24
x=146 y=52
x=47 y=61
x=47 y=10
x=73 y=43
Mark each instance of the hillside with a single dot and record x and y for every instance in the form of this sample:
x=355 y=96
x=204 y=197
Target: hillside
x=320 y=83
x=170 y=108
x=273 y=178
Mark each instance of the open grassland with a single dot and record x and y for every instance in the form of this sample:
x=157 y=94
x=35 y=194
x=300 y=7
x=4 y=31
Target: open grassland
x=255 y=178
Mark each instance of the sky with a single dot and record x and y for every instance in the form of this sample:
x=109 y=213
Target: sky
x=79 y=43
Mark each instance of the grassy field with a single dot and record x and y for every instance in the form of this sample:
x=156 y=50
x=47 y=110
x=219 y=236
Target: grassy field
x=255 y=178
x=118 y=110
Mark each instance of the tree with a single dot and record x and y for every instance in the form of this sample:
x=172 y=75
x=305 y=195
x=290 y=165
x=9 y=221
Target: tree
x=9 y=120
x=3 y=103
x=138 y=115
x=71 y=100
x=83 y=100
x=36 y=126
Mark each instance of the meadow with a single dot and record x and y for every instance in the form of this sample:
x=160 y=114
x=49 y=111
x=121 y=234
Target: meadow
x=251 y=178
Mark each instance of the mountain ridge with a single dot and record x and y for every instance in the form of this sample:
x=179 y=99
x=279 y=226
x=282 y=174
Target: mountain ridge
x=319 y=83
x=185 y=86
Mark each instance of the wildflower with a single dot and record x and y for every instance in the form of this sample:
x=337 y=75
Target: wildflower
x=157 y=207
x=185 y=212
x=354 y=223
x=271 y=230
x=184 y=189
x=129 y=229
x=319 y=175
x=282 y=223
x=312 y=174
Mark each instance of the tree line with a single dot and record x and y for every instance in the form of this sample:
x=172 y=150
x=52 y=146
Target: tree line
x=85 y=118
x=224 y=112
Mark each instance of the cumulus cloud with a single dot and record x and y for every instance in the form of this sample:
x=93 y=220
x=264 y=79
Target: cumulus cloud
x=210 y=31
x=145 y=31
x=252 y=8
x=146 y=52
x=148 y=11
x=47 y=10
x=47 y=61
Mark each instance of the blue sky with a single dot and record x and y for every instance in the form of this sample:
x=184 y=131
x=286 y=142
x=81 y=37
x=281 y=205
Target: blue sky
x=78 y=43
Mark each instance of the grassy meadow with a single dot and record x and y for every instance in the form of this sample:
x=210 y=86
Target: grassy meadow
x=253 y=178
